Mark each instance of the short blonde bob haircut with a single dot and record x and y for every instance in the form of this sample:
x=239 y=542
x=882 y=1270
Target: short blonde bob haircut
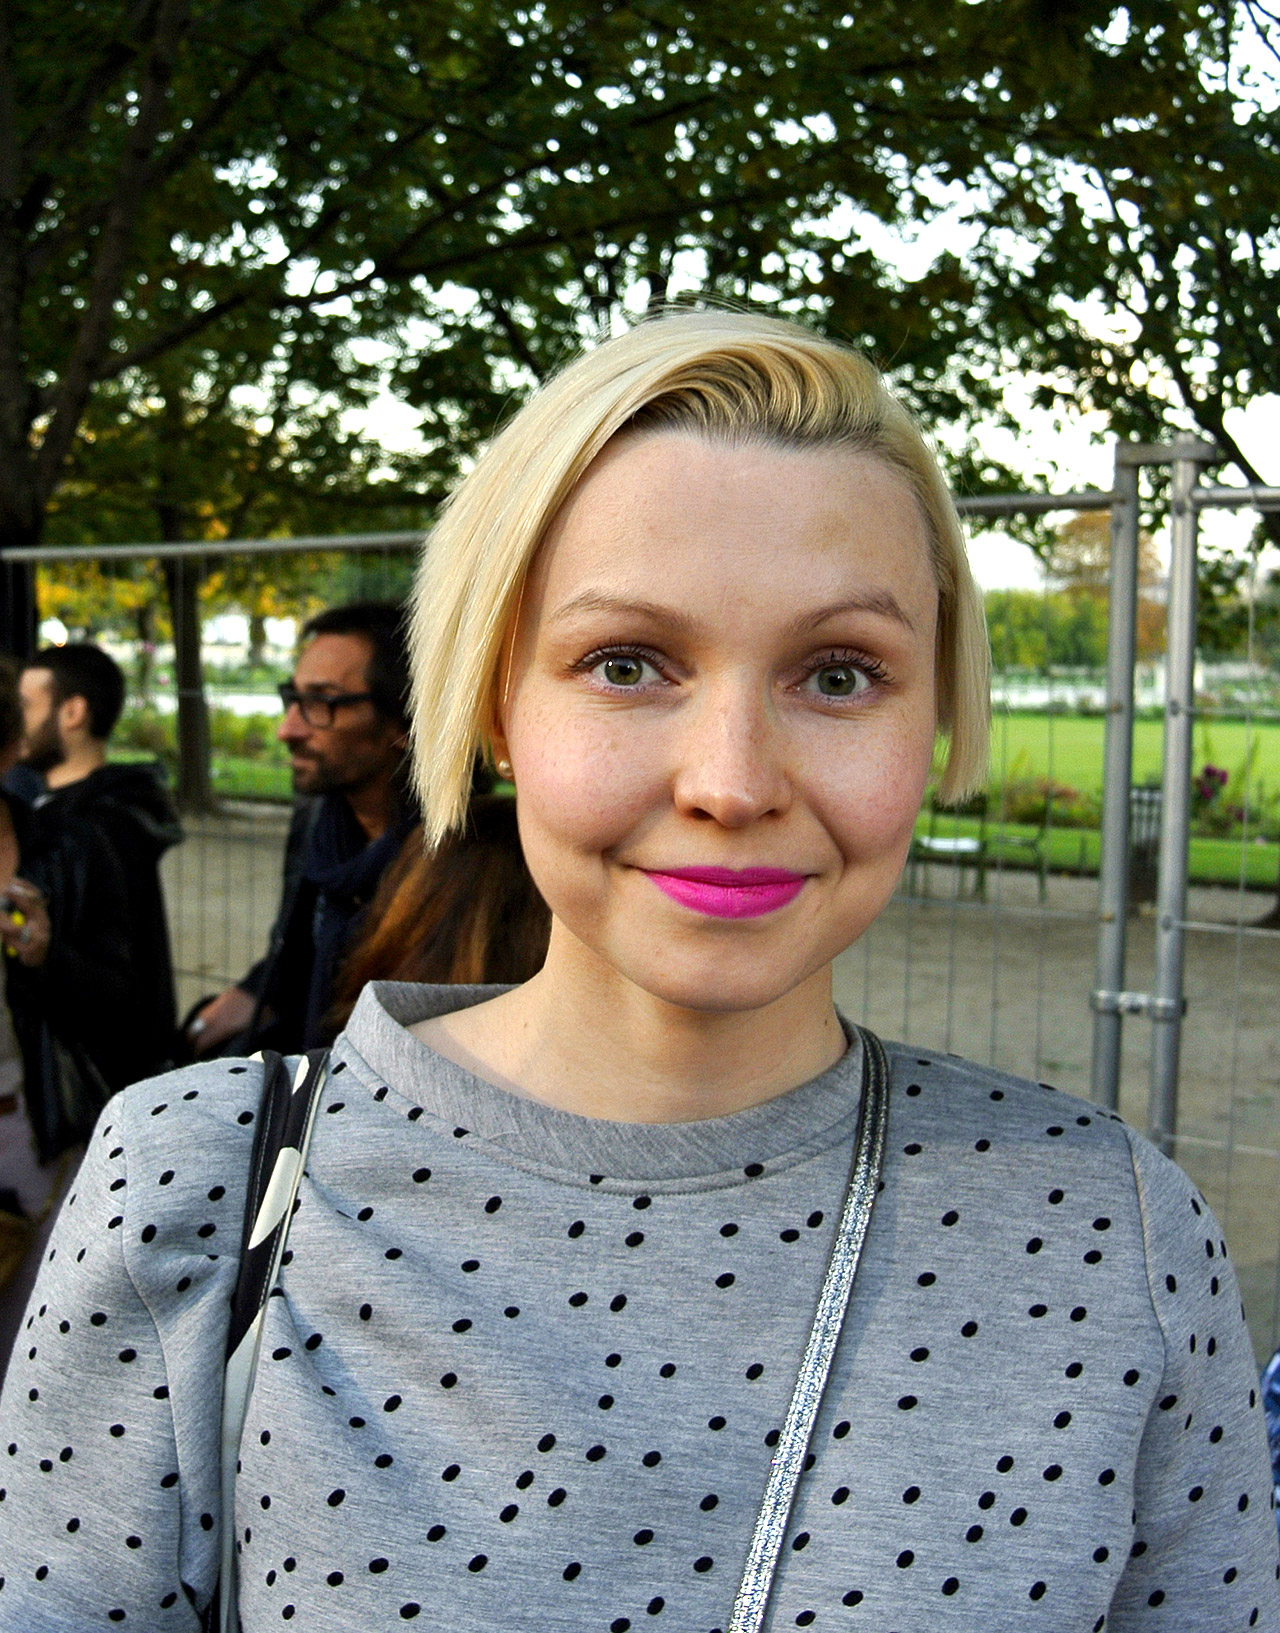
x=722 y=375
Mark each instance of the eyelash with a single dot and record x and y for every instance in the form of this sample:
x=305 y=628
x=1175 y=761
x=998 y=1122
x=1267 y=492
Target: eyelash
x=848 y=657
x=872 y=668
x=602 y=654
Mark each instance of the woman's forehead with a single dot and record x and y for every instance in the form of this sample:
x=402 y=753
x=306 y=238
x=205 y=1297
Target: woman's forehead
x=672 y=517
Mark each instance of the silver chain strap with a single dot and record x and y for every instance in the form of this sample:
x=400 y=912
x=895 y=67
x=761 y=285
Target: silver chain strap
x=752 y=1602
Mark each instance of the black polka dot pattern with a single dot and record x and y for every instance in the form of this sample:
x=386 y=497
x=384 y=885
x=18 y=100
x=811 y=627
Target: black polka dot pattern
x=544 y=1392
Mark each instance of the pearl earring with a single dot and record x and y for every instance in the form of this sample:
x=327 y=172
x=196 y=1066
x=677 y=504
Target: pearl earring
x=503 y=768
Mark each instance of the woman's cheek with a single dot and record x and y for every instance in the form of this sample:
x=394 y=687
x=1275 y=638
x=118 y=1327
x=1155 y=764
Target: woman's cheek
x=872 y=808
x=584 y=784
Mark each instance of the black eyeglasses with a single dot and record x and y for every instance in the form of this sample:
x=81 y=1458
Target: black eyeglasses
x=317 y=708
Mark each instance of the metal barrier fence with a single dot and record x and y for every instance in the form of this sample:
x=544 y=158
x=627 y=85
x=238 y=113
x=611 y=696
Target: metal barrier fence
x=1008 y=974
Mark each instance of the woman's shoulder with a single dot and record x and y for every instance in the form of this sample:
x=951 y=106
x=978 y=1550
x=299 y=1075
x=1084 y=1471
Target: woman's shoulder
x=214 y=1100
x=125 y=1338
x=960 y=1106
x=173 y=1153
x=932 y=1076
x=965 y=1103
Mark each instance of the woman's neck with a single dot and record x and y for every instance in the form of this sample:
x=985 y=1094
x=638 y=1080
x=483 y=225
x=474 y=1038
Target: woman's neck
x=582 y=1038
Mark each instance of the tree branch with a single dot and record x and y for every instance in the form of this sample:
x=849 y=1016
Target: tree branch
x=222 y=102
x=1256 y=10
x=392 y=266
x=16 y=498
x=10 y=160
x=91 y=343
x=163 y=167
x=65 y=124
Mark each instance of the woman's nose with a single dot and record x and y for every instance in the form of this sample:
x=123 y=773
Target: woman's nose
x=731 y=766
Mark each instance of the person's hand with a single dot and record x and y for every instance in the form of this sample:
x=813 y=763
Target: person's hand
x=24 y=923
x=230 y=1012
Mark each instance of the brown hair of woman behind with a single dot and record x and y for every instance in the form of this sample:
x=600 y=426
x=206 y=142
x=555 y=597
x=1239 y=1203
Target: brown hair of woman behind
x=467 y=912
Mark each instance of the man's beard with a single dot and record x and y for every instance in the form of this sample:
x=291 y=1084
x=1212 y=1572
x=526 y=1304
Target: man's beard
x=43 y=749
x=313 y=776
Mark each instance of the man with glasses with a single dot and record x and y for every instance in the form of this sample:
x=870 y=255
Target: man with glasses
x=345 y=726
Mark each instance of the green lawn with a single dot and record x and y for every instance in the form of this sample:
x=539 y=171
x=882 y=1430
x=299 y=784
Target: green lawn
x=1068 y=748
x=237 y=777
x=1076 y=850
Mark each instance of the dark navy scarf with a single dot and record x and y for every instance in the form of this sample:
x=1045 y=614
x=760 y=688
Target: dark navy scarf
x=344 y=869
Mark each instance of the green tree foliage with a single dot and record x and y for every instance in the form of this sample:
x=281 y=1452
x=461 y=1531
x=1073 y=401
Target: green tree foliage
x=1065 y=626
x=1036 y=632
x=452 y=196
x=180 y=460
x=1238 y=609
x=1150 y=288
x=1078 y=562
x=173 y=454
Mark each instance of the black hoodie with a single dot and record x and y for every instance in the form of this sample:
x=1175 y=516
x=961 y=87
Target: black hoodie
x=100 y=1010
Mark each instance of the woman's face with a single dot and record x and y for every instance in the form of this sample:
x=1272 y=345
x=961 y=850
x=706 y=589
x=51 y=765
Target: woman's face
x=720 y=713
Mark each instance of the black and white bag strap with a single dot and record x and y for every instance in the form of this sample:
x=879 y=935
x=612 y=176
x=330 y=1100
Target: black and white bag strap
x=286 y=1116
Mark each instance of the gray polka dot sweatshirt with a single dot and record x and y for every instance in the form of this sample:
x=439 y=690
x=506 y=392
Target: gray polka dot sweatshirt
x=524 y=1368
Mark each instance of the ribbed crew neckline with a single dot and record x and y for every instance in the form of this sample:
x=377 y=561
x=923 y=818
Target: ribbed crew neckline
x=564 y=1145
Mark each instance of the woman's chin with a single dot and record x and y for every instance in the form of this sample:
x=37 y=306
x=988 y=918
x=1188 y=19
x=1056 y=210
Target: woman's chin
x=715 y=985
x=713 y=968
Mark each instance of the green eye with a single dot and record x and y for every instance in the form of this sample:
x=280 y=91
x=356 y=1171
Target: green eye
x=623 y=671
x=839 y=680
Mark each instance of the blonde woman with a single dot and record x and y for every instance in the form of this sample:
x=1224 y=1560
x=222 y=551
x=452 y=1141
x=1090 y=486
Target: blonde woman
x=564 y=1251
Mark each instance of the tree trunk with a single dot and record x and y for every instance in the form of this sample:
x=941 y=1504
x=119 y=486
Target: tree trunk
x=257 y=639
x=195 y=783
x=17 y=592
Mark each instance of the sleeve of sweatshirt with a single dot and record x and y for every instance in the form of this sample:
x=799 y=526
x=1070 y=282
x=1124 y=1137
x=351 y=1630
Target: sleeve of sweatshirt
x=1204 y=1545
x=109 y=1420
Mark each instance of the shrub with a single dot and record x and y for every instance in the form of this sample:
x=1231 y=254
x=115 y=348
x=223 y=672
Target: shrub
x=1026 y=799
x=146 y=729
x=248 y=736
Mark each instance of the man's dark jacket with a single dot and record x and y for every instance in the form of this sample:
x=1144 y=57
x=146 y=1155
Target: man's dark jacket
x=331 y=872
x=98 y=1014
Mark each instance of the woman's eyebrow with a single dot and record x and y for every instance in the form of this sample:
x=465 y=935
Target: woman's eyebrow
x=596 y=601
x=881 y=602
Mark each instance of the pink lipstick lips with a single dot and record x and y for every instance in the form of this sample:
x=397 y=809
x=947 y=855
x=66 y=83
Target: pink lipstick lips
x=729 y=893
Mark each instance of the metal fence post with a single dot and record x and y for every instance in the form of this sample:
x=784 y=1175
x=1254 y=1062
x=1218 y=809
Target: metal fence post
x=1113 y=862
x=1166 y=1006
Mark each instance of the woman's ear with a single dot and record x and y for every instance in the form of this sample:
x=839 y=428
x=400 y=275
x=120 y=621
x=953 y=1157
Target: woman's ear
x=496 y=735
x=493 y=736
x=496 y=748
